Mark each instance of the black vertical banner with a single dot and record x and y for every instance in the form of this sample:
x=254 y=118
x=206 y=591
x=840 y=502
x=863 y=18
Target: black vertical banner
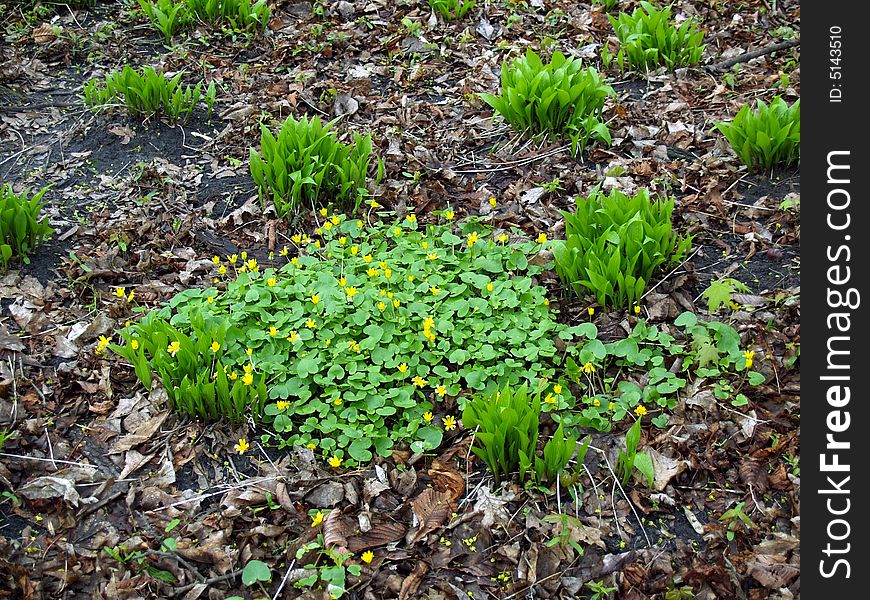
x=835 y=251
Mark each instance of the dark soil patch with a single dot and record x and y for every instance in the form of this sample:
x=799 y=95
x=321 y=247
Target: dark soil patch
x=774 y=268
x=634 y=89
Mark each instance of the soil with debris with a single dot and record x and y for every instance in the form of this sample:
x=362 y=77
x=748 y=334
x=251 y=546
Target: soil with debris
x=98 y=474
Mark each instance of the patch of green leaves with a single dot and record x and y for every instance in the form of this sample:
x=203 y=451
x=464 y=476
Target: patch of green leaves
x=649 y=38
x=615 y=243
x=22 y=229
x=169 y=16
x=307 y=163
x=559 y=98
x=766 y=137
x=359 y=336
x=719 y=293
x=147 y=93
x=452 y=9
x=630 y=459
x=328 y=569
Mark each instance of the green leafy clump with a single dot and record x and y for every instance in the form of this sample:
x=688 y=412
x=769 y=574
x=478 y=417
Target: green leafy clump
x=615 y=243
x=358 y=337
x=21 y=228
x=147 y=93
x=171 y=16
x=507 y=422
x=189 y=359
x=719 y=293
x=630 y=459
x=307 y=163
x=559 y=98
x=649 y=39
x=452 y=9
x=766 y=137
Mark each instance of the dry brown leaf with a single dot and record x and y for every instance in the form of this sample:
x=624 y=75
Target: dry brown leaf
x=753 y=473
x=772 y=571
x=432 y=509
x=380 y=534
x=412 y=582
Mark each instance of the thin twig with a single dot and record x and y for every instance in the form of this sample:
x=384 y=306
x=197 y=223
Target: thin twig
x=665 y=278
x=747 y=56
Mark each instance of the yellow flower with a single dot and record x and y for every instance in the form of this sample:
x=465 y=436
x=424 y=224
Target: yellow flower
x=430 y=256
x=173 y=348
x=273 y=331
x=502 y=238
x=285 y=251
x=252 y=265
x=388 y=272
x=489 y=287
x=441 y=390
x=435 y=290
x=492 y=202
x=248 y=378
x=640 y=410
x=367 y=258
x=310 y=323
x=354 y=250
x=351 y=292
x=636 y=309
x=283 y=405
x=449 y=422
x=102 y=344
x=233 y=376
x=130 y=296
x=293 y=336
x=427 y=416
x=588 y=368
x=403 y=368
x=295 y=261
x=334 y=220
x=244 y=255
x=315 y=298
x=335 y=462
x=611 y=405
x=311 y=445
x=342 y=281
x=542 y=238
x=317 y=243
x=596 y=402
x=327 y=226
x=367 y=556
x=317 y=519
x=342 y=240
x=390 y=295
x=271 y=282
x=418 y=381
x=472 y=238
x=375 y=204
x=449 y=214
x=381 y=305
x=383 y=264
x=354 y=345
x=210 y=299
x=323 y=212
x=233 y=258
x=372 y=272
x=247 y=368
x=337 y=401
x=425 y=245
x=411 y=217
x=428 y=323
x=249 y=351
x=328 y=341
x=546 y=302
x=120 y=292
x=296 y=239
x=222 y=270
x=591 y=311
x=396 y=303
x=557 y=389
x=550 y=399
x=242 y=446
x=216 y=260
x=749 y=355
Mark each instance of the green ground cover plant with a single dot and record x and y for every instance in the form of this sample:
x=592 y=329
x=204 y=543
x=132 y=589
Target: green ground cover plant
x=614 y=244
x=170 y=16
x=147 y=93
x=768 y=136
x=306 y=163
x=630 y=459
x=22 y=229
x=359 y=336
x=559 y=98
x=648 y=38
x=452 y=9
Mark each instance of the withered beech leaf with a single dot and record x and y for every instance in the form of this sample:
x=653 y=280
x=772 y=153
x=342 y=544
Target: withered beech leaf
x=432 y=509
x=380 y=534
